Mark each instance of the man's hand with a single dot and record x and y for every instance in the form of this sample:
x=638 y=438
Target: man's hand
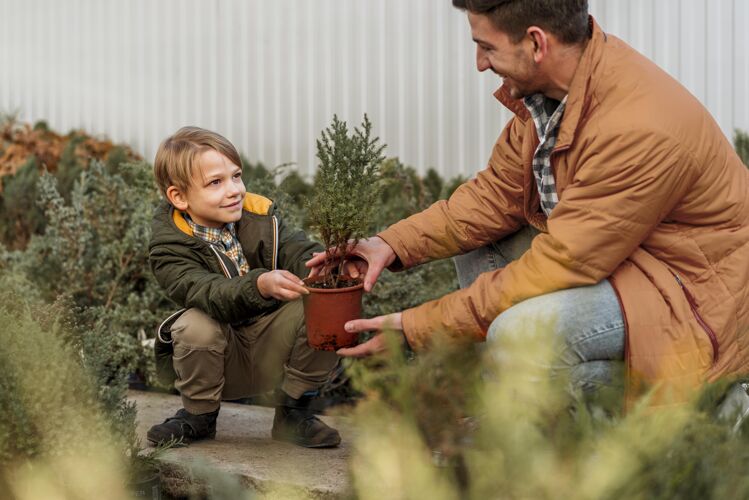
x=280 y=284
x=377 y=344
x=374 y=255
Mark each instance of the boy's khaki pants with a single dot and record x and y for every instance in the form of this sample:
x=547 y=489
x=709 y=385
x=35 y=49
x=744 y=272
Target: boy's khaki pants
x=215 y=361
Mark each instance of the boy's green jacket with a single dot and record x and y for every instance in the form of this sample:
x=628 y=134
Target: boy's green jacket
x=194 y=274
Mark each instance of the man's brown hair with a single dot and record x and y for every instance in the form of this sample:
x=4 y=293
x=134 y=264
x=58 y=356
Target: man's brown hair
x=567 y=19
x=177 y=156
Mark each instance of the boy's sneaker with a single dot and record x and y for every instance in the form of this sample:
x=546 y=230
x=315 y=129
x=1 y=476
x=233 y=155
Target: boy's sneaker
x=299 y=426
x=184 y=428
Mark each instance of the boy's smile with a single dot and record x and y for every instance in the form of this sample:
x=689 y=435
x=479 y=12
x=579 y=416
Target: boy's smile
x=216 y=194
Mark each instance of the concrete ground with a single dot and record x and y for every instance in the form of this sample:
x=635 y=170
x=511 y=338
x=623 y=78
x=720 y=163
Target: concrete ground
x=243 y=447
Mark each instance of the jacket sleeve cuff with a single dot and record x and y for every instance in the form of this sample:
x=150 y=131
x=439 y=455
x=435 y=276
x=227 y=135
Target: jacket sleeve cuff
x=414 y=337
x=254 y=298
x=392 y=240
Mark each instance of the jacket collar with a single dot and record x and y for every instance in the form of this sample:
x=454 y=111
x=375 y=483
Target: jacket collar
x=253 y=203
x=579 y=96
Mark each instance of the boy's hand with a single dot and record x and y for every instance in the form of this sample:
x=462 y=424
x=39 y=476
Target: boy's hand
x=280 y=284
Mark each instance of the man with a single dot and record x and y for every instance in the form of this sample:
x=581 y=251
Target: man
x=640 y=204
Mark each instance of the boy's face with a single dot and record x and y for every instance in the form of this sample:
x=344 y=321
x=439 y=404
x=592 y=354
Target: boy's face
x=216 y=194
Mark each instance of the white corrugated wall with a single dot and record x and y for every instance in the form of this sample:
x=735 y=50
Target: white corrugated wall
x=270 y=74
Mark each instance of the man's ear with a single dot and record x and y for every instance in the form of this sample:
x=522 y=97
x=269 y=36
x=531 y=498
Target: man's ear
x=177 y=198
x=539 y=41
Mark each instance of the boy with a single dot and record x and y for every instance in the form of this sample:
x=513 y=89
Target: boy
x=226 y=257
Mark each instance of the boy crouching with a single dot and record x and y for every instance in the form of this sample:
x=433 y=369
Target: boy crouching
x=226 y=257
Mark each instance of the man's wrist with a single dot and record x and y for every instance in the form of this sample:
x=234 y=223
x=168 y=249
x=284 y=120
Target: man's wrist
x=392 y=257
x=406 y=344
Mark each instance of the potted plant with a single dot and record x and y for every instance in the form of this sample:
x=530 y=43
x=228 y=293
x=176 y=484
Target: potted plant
x=341 y=210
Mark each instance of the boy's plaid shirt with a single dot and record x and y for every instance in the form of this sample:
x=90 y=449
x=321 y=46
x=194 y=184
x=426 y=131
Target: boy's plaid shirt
x=547 y=127
x=224 y=239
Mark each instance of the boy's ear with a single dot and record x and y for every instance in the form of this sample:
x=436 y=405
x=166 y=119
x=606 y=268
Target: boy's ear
x=177 y=198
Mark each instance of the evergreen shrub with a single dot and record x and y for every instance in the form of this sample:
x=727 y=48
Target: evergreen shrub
x=26 y=152
x=344 y=199
x=94 y=252
x=56 y=433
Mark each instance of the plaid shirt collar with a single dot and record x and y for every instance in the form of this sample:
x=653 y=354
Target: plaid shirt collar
x=547 y=126
x=224 y=239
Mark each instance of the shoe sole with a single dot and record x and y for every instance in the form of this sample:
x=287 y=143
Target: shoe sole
x=184 y=443
x=306 y=445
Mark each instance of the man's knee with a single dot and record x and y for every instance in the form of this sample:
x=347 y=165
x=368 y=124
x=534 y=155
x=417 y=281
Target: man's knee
x=526 y=319
x=195 y=329
x=581 y=324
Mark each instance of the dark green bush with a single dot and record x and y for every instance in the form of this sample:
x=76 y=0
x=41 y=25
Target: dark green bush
x=95 y=246
x=395 y=292
x=25 y=152
x=403 y=194
x=741 y=142
x=258 y=179
x=94 y=251
x=20 y=216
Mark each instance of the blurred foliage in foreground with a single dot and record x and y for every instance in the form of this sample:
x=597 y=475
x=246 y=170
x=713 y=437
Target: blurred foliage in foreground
x=60 y=437
x=461 y=423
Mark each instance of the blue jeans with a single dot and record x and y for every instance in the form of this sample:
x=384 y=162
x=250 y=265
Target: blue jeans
x=586 y=323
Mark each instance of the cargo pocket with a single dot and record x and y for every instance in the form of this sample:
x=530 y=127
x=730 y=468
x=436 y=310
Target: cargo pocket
x=164 y=349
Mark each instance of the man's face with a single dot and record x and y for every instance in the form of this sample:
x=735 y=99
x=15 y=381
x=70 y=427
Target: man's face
x=217 y=192
x=513 y=62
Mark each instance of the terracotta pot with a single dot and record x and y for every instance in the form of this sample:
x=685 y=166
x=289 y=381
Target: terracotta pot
x=327 y=310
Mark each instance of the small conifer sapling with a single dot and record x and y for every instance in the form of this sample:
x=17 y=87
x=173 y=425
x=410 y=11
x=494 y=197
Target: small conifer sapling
x=346 y=191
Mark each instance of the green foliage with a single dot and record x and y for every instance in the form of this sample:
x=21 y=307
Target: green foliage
x=65 y=428
x=94 y=251
x=403 y=193
x=741 y=142
x=294 y=192
x=296 y=188
x=47 y=402
x=497 y=423
x=449 y=188
x=434 y=184
x=347 y=187
x=25 y=153
x=256 y=177
x=20 y=217
x=95 y=246
x=260 y=180
x=70 y=167
x=395 y=292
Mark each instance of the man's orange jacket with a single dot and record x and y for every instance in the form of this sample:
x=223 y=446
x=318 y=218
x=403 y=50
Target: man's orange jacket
x=652 y=196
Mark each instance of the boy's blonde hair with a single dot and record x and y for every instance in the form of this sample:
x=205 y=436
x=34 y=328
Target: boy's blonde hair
x=176 y=158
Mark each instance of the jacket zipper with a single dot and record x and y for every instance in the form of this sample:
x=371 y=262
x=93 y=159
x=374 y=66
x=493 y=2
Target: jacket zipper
x=221 y=262
x=703 y=324
x=274 y=258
